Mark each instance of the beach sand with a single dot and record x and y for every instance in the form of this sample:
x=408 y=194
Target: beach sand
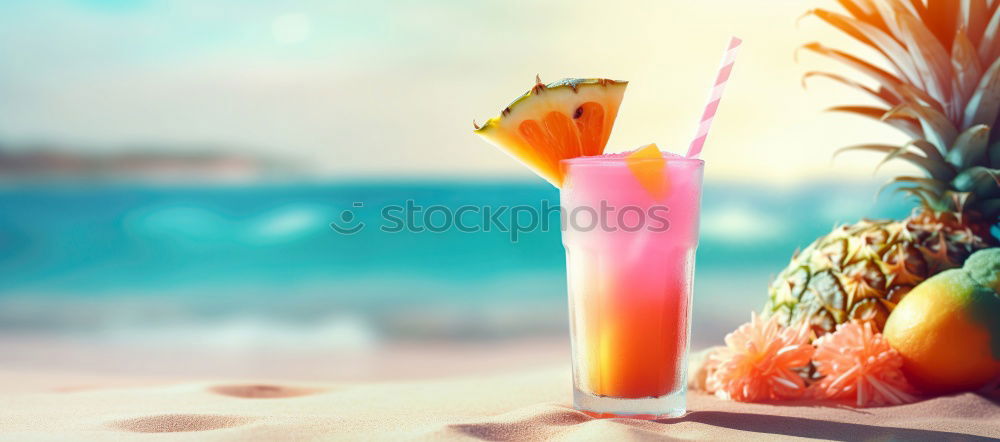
x=520 y=405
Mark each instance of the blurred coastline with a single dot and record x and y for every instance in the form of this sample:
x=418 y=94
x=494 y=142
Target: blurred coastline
x=54 y=163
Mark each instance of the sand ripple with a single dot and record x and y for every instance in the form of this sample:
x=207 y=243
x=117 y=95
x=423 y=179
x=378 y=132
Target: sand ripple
x=174 y=423
x=262 y=391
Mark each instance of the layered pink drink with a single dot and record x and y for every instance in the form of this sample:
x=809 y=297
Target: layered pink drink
x=631 y=229
x=630 y=274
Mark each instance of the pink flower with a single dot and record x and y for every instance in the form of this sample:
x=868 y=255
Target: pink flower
x=758 y=361
x=857 y=363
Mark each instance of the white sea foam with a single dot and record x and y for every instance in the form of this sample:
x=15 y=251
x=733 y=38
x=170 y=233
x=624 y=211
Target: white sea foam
x=342 y=333
x=740 y=223
x=289 y=222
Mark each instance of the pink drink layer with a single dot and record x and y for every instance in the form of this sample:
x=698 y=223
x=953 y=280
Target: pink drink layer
x=630 y=288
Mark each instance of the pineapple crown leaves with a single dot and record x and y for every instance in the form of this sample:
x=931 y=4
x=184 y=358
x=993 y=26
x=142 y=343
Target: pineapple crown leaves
x=940 y=87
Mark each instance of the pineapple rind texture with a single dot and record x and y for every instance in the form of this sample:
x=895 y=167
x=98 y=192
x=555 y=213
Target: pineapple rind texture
x=862 y=271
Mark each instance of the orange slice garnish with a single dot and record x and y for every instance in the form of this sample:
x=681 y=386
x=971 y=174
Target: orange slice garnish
x=566 y=119
x=647 y=164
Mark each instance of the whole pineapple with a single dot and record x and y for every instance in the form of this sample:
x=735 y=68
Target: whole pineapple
x=943 y=91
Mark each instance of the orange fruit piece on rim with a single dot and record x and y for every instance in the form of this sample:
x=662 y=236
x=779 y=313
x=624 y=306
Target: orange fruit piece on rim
x=647 y=164
x=570 y=118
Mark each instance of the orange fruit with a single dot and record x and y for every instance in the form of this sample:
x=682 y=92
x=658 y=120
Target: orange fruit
x=948 y=328
x=647 y=164
x=570 y=118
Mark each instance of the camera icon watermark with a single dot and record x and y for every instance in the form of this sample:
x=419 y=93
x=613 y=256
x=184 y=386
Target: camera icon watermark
x=348 y=225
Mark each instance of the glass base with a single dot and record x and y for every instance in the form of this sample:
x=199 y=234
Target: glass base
x=666 y=406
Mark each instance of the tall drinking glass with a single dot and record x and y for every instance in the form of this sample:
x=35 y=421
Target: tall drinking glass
x=630 y=233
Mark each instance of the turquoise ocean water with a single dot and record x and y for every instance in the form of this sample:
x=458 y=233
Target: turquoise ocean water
x=262 y=262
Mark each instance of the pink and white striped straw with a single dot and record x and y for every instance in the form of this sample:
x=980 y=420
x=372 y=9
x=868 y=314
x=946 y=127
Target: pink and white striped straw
x=713 y=101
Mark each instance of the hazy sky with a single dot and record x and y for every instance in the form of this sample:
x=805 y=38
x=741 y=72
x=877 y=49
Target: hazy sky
x=391 y=87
